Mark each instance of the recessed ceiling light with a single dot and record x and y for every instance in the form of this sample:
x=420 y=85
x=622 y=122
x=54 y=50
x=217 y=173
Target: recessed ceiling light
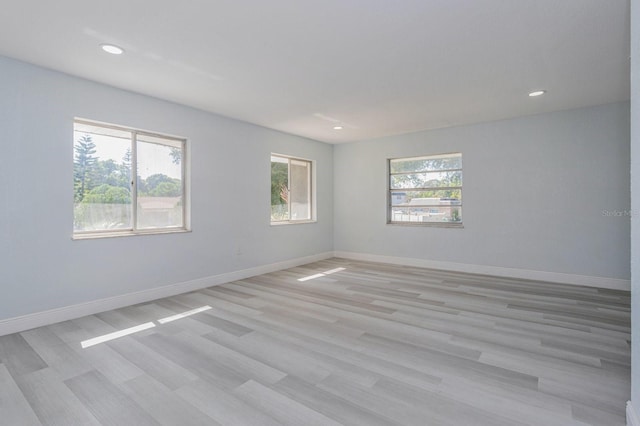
x=337 y=127
x=537 y=93
x=112 y=48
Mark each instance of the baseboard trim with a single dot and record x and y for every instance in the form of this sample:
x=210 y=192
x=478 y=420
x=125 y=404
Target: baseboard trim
x=39 y=319
x=632 y=417
x=584 y=280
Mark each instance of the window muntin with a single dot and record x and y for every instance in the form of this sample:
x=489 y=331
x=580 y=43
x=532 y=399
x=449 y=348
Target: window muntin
x=290 y=190
x=426 y=190
x=108 y=200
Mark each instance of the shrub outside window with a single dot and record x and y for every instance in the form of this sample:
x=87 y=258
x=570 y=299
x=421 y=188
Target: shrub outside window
x=290 y=190
x=108 y=200
x=426 y=190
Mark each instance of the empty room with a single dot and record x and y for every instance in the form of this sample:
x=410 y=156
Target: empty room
x=420 y=212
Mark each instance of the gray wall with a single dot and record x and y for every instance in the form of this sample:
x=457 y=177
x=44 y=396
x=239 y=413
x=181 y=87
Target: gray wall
x=635 y=205
x=534 y=193
x=535 y=189
x=42 y=268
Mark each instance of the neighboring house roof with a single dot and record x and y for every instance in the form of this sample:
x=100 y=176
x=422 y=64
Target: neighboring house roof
x=158 y=203
x=423 y=201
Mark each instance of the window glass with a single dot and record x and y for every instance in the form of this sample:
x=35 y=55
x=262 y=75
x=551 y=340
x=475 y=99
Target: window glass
x=300 y=188
x=159 y=185
x=426 y=190
x=290 y=190
x=107 y=197
x=102 y=180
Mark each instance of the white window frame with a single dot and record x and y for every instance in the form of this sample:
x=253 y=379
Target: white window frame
x=311 y=190
x=390 y=191
x=186 y=199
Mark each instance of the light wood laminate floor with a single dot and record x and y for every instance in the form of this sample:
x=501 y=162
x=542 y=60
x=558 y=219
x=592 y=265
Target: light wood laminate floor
x=370 y=344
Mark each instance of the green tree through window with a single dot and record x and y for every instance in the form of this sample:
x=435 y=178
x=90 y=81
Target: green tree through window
x=83 y=165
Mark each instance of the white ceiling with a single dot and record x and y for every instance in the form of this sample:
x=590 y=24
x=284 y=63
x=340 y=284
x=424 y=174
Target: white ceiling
x=377 y=67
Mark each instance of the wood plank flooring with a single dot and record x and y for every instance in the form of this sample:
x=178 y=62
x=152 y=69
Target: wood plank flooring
x=361 y=344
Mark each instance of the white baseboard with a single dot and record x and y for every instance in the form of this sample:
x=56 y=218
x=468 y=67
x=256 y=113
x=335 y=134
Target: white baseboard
x=585 y=280
x=632 y=417
x=39 y=319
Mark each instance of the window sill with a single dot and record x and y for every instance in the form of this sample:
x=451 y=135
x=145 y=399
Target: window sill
x=428 y=224
x=115 y=234
x=296 y=222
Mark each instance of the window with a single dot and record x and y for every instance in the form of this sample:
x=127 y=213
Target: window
x=108 y=200
x=290 y=190
x=426 y=190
